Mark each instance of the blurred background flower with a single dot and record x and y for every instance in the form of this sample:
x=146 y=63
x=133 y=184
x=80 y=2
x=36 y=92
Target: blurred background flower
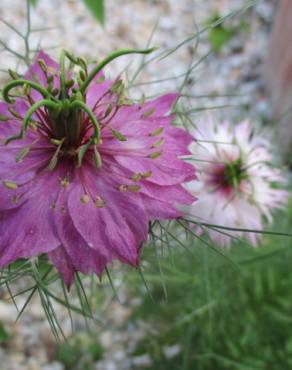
x=237 y=179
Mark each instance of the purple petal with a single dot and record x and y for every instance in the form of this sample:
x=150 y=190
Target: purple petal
x=62 y=261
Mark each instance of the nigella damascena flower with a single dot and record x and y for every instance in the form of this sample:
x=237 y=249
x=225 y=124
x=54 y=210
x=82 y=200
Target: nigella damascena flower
x=83 y=169
x=236 y=180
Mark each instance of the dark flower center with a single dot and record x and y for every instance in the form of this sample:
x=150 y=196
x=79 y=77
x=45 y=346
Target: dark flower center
x=229 y=175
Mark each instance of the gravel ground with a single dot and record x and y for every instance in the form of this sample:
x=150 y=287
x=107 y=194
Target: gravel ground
x=235 y=70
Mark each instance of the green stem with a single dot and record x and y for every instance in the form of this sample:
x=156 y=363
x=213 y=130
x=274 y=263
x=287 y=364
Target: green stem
x=27 y=35
x=62 y=74
x=34 y=85
x=79 y=104
x=107 y=60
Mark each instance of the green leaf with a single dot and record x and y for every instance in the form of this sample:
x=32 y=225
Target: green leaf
x=220 y=35
x=97 y=9
x=33 y=2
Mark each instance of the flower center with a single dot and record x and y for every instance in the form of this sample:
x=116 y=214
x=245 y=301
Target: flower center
x=234 y=173
x=65 y=116
x=229 y=175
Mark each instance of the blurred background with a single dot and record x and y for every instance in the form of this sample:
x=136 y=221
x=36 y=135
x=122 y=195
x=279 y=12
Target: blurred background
x=195 y=308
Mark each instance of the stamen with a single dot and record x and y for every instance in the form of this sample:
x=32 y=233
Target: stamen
x=43 y=65
x=148 y=113
x=118 y=135
x=136 y=177
x=139 y=176
x=85 y=199
x=54 y=160
x=81 y=153
x=134 y=188
x=157 y=132
x=26 y=90
x=147 y=174
x=108 y=110
x=155 y=155
x=123 y=188
x=14 y=113
x=82 y=62
x=97 y=157
x=14 y=75
x=24 y=152
x=4 y=118
x=15 y=199
x=99 y=202
x=65 y=182
x=69 y=83
x=158 y=143
x=117 y=87
x=10 y=185
x=82 y=75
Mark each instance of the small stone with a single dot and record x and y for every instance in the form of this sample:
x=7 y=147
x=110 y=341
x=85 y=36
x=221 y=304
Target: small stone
x=53 y=366
x=142 y=361
x=171 y=351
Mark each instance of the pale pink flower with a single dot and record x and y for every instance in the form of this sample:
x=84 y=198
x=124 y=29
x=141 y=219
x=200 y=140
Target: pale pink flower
x=236 y=186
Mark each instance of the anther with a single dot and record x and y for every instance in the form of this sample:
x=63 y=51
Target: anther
x=136 y=177
x=15 y=199
x=4 y=118
x=157 y=132
x=69 y=83
x=54 y=160
x=82 y=75
x=85 y=199
x=26 y=89
x=147 y=174
x=65 y=182
x=158 y=143
x=118 y=135
x=97 y=157
x=14 y=75
x=23 y=153
x=134 y=188
x=10 y=185
x=148 y=113
x=99 y=202
x=155 y=155
x=43 y=65
x=123 y=188
x=14 y=113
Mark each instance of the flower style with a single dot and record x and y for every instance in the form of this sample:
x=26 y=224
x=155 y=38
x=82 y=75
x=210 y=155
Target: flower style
x=236 y=181
x=83 y=169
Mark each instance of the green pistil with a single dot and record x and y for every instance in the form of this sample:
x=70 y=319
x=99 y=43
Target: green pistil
x=107 y=60
x=33 y=85
x=234 y=173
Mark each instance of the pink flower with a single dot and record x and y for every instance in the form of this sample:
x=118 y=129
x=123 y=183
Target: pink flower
x=236 y=182
x=83 y=169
